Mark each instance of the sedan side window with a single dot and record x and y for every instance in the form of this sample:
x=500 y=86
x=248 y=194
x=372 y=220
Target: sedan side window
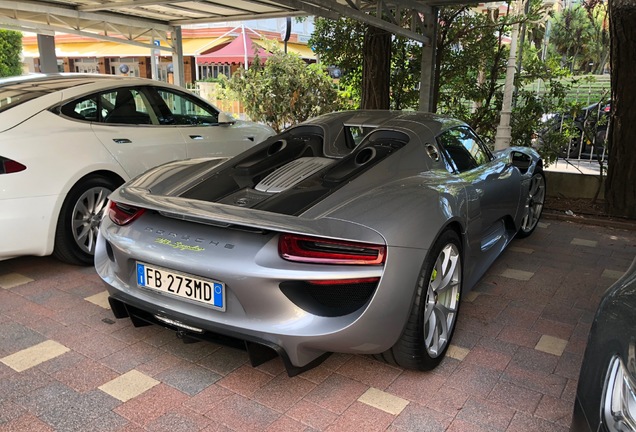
x=83 y=109
x=463 y=148
x=180 y=109
x=125 y=106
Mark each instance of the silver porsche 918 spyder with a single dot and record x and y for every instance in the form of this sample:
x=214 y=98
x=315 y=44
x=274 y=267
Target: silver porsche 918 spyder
x=353 y=232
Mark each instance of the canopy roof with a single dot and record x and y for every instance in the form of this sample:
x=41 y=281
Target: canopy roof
x=237 y=51
x=141 y=22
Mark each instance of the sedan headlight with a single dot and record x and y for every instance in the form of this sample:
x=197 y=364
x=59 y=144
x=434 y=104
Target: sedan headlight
x=619 y=405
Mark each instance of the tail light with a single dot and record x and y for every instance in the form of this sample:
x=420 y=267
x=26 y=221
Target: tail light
x=8 y=166
x=327 y=251
x=123 y=214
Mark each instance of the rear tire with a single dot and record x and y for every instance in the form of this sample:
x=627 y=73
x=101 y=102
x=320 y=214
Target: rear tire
x=534 y=204
x=78 y=222
x=432 y=319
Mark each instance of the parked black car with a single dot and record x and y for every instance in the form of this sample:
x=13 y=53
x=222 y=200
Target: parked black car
x=588 y=127
x=606 y=393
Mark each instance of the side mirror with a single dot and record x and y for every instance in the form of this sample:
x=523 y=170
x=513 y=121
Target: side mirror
x=226 y=118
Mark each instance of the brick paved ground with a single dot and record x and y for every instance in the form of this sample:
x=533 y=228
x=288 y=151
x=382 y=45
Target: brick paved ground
x=67 y=365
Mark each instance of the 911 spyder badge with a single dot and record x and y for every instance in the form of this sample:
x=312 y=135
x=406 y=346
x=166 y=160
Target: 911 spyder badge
x=171 y=238
x=178 y=245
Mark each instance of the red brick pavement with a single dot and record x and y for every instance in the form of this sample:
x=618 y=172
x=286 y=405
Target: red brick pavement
x=499 y=378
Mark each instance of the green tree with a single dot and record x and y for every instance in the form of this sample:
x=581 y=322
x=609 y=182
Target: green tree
x=340 y=43
x=10 y=50
x=284 y=90
x=580 y=36
x=470 y=65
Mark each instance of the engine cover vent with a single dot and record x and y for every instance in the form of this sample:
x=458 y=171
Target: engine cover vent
x=291 y=174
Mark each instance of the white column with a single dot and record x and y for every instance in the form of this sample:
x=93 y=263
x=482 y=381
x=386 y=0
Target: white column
x=503 y=136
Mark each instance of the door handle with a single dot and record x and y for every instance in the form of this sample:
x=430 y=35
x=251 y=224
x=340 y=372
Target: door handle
x=196 y=137
x=250 y=137
x=122 y=140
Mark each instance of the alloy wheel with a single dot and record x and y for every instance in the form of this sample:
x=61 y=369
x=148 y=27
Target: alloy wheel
x=534 y=206
x=86 y=217
x=442 y=300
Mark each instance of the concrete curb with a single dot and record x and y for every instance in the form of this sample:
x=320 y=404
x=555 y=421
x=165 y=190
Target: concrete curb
x=625 y=224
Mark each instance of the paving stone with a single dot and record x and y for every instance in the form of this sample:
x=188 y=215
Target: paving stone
x=15 y=337
x=224 y=360
x=254 y=416
x=33 y=356
x=417 y=386
x=312 y=415
x=487 y=358
x=471 y=296
x=486 y=414
x=515 y=397
x=522 y=250
x=188 y=378
x=16 y=385
x=384 y=401
x=584 y=242
x=27 y=423
x=360 y=416
x=99 y=299
x=152 y=404
x=551 y=345
x=287 y=424
x=417 y=418
x=524 y=423
x=612 y=274
x=283 y=392
x=520 y=275
x=457 y=352
x=336 y=393
x=179 y=420
x=12 y=280
x=370 y=372
x=65 y=409
x=129 y=385
x=474 y=380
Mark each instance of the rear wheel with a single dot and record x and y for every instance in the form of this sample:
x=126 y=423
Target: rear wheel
x=534 y=204
x=78 y=223
x=431 y=323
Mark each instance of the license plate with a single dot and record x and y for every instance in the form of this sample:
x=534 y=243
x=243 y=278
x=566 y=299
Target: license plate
x=182 y=285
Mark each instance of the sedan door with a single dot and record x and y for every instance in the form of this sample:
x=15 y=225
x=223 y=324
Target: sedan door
x=125 y=123
x=199 y=125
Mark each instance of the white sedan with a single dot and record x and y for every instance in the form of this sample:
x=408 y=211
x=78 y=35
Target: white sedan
x=68 y=140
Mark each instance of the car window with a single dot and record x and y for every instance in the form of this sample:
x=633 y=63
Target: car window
x=18 y=90
x=83 y=109
x=180 y=109
x=118 y=106
x=463 y=148
x=355 y=133
x=124 y=106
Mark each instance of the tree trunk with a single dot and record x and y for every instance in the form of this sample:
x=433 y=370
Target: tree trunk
x=620 y=185
x=376 y=69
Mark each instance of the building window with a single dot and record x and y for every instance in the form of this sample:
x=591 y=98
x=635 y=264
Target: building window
x=214 y=71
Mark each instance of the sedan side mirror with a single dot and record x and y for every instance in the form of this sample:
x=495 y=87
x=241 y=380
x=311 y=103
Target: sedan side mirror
x=226 y=118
